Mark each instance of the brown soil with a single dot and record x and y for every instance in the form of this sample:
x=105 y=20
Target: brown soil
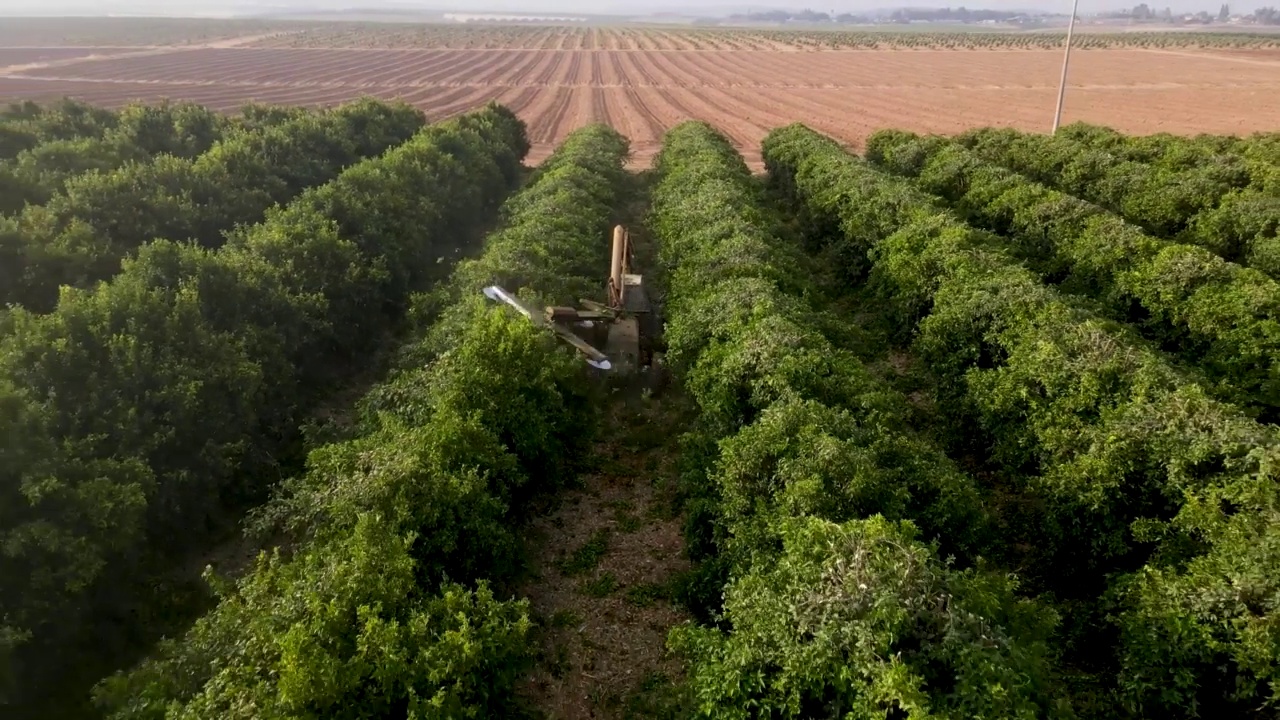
x=647 y=82
x=604 y=615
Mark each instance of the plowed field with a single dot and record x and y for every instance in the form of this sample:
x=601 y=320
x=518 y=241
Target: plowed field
x=644 y=83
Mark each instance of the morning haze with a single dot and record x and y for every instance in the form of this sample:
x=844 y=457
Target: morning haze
x=632 y=7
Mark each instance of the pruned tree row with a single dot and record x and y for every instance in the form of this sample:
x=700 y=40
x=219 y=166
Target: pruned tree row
x=1260 y=152
x=1262 y=148
x=1162 y=200
x=1244 y=223
x=827 y=515
x=136 y=130
x=1159 y=529
x=80 y=235
x=135 y=134
x=1229 y=155
x=24 y=126
x=1223 y=318
x=137 y=410
x=382 y=607
x=1175 y=189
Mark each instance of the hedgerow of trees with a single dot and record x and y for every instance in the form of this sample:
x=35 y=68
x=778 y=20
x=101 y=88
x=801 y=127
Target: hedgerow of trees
x=80 y=235
x=384 y=605
x=1174 y=188
x=1244 y=224
x=104 y=141
x=1222 y=318
x=139 y=408
x=827 y=519
x=1156 y=535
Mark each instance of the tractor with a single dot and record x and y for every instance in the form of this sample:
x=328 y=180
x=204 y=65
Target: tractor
x=618 y=337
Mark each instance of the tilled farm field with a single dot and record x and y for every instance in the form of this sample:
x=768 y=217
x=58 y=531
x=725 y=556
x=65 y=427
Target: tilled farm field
x=643 y=82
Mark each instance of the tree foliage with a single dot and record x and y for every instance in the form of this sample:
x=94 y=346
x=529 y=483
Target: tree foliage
x=1221 y=317
x=384 y=609
x=147 y=403
x=812 y=457
x=1162 y=501
x=137 y=133
x=1162 y=199
x=1175 y=188
x=27 y=124
x=861 y=620
x=81 y=234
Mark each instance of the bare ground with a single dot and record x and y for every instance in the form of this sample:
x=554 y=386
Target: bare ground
x=643 y=92
x=601 y=568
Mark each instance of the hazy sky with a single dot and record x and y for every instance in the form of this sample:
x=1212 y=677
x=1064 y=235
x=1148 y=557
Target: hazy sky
x=202 y=7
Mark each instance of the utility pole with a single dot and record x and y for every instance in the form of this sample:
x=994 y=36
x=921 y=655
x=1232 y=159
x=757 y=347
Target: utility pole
x=1066 y=60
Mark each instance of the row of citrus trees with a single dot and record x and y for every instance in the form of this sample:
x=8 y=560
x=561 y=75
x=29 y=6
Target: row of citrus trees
x=1260 y=152
x=1222 y=318
x=47 y=145
x=381 y=606
x=1020 y=40
x=387 y=35
x=79 y=234
x=1157 y=533
x=828 y=517
x=1259 y=149
x=44 y=146
x=25 y=125
x=138 y=409
x=1173 y=188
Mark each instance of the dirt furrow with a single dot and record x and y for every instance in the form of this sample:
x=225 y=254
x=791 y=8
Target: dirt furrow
x=710 y=104
x=518 y=98
x=582 y=112
x=531 y=64
x=635 y=65
x=597 y=69
x=625 y=118
x=495 y=66
x=457 y=62
x=640 y=108
x=472 y=98
x=388 y=66
x=548 y=71
x=575 y=68
x=612 y=71
x=600 y=108
x=605 y=567
x=544 y=123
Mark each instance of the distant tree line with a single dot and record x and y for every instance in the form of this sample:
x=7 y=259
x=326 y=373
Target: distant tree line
x=902 y=15
x=1266 y=16
x=1143 y=12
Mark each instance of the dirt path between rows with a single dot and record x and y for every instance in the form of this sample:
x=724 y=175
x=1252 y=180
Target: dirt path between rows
x=602 y=571
x=606 y=560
